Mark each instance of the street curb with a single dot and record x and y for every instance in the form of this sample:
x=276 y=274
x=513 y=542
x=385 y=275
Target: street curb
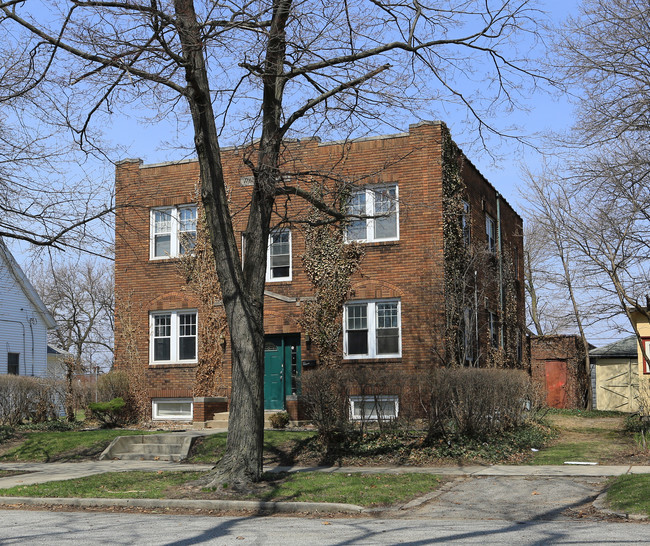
x=600 y=504
x=251 y=506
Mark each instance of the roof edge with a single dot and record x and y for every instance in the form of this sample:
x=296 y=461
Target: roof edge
x=26 y=285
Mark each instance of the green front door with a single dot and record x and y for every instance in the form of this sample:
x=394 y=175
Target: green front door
x=281 y=369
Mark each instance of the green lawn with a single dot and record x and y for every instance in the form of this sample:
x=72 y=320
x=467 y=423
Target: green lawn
x=630 y=494
x=594 y=436
x=277 y=444
x=112 y=485
x=353 y=488
x=66 y=445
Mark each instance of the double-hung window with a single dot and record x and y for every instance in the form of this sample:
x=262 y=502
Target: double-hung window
x=173 y=337
x=173 y=231
x=465 y=223
x=493 y=328
x=278 y=263
x=491 y=233
x=372 y=329
x=379 y=206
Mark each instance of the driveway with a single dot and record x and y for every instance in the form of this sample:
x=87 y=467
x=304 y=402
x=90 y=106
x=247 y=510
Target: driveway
x=513 y=498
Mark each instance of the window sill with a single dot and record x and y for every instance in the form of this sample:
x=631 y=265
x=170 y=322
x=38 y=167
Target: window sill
x=367 y=358
x=186 y=364
x=374 y=244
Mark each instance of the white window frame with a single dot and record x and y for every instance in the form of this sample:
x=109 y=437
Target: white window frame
x=269 y=278
x=155 y=409
x=491 y=233
x=371 y=193
x=174 y=344
x=175 y=249
x=356 y=400
x=372 y=329
x=646 y=364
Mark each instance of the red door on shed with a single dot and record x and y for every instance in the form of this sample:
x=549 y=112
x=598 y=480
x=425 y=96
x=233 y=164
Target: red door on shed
x=556 y=384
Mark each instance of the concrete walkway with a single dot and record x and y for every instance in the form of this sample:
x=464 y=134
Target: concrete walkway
x=50 y=472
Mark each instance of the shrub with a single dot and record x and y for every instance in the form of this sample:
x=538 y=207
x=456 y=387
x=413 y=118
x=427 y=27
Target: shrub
x=54 y=425
x=6 y=433
x=326 y=397
x=279 y=419
x=114 y=384
x=110 y=413
x=478 y=402
x=26 y=398
x=637 y=423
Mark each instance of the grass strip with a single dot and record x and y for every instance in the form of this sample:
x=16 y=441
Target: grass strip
x=353 y=488
x=589 y=414
x=630 y=493
x=112 y=485
x=63 y=445
x=369 y=490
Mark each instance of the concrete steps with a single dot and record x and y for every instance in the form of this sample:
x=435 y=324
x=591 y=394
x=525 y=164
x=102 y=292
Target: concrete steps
x=149 y=447
x=220 y=420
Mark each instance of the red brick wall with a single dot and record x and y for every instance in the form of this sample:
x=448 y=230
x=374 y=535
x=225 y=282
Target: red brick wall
x=410 y=269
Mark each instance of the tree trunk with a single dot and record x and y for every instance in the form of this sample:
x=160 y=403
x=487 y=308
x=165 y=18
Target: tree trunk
x=242 y=287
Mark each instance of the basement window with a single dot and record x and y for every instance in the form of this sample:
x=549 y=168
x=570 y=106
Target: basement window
x=172 y=409
x=373 y=408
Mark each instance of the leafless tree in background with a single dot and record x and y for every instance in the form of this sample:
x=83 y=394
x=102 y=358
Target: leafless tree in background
x=80 y=297
x=268 y=70
x=40 y=201
x=605 y=54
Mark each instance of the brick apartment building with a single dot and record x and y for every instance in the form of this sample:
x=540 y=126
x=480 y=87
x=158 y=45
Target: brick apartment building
x=396 y=313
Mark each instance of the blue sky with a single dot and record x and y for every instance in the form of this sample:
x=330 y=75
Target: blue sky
x=502 y=166
x=544 y=112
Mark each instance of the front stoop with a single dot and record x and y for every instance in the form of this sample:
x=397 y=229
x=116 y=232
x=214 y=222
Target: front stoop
x=150 y=447
x=220 y=421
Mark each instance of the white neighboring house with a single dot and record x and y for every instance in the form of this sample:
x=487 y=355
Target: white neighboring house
x=24 y=321
x=56 y=362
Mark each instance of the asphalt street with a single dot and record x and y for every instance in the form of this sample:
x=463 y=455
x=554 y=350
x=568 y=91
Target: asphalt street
x=46 y=528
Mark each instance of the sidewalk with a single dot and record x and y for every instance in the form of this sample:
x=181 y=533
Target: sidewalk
x=49 y=472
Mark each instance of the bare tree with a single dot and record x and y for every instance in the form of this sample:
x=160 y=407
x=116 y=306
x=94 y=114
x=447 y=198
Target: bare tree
x=551 y=207
x=80 y=297
x=42 y=201
x=276 y=69
x=604 y=52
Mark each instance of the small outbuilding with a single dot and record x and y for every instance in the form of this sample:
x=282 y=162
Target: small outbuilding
x=615 y=375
